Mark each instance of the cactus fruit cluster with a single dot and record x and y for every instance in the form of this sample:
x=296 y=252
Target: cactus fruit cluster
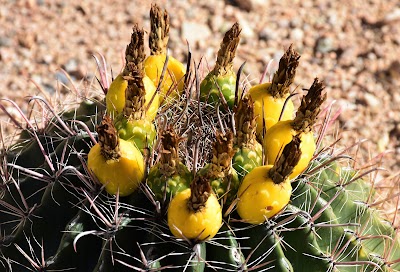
x=168 y=171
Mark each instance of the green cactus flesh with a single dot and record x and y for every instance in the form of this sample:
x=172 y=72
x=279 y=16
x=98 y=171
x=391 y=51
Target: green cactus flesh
x=328 y=226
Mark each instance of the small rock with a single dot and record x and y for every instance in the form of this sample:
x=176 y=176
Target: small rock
x=348 y=56
x=297 y=34
x=247 y=30
x=324 y=45
x=37 y=79
x=245 y=5
x=71 y=65
x=47 y=59
x=371 y=100
x=5 y=41
x=393 y=16
x=61 y=77
x=27 y=39
x=267 y=34
x=383 y=142
x=49 y=88
x=216 y=22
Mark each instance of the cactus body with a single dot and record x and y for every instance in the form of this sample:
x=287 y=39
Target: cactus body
x=55 y=215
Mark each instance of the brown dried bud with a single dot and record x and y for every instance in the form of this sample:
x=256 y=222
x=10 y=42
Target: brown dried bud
x=285 y=75
x=222 y=154
x=108 y=139
x=200 y=192
x=227 y=50
x=289 y=158
x=245 y=122
x=307 y=114
x=159 y=35
x=170 y=152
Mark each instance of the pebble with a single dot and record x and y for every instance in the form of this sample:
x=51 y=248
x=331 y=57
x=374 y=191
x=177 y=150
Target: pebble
x=61 y=77
x=247 y=30
x=348 y=56
x=297 y=34
x=372 y=101
x=5 y=41
x=71 y=65
x=267 y=34
x=393 y=15
x=324 y=45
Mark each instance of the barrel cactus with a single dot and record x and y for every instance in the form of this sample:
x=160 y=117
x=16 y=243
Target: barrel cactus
x=59 y=214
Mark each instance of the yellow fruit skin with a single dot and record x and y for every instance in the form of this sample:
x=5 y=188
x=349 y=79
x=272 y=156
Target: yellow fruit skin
x=269 y=107
x=202 y=225
x=260 y=197
x=153 y=66
x=124 y=174
x=115 y=98
x=280 y=135
x=155 y=104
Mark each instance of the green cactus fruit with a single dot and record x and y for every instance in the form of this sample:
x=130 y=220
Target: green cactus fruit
x=219 y=86
x=222 y=176
x=170 y=175
x=249 y=152
x=141 y=133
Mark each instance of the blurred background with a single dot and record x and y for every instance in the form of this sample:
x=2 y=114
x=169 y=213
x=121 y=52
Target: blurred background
x=354 y=46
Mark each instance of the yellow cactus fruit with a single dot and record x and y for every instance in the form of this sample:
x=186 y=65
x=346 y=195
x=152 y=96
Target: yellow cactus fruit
x=133 y=72
x=115 y=97
x=173 y=78
x=116 y=163
x=266 y=190
x=195 y=213
x=283 y=132
x=270 y=98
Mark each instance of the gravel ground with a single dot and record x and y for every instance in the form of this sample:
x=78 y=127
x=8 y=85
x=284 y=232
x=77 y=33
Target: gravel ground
x=354 y=47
